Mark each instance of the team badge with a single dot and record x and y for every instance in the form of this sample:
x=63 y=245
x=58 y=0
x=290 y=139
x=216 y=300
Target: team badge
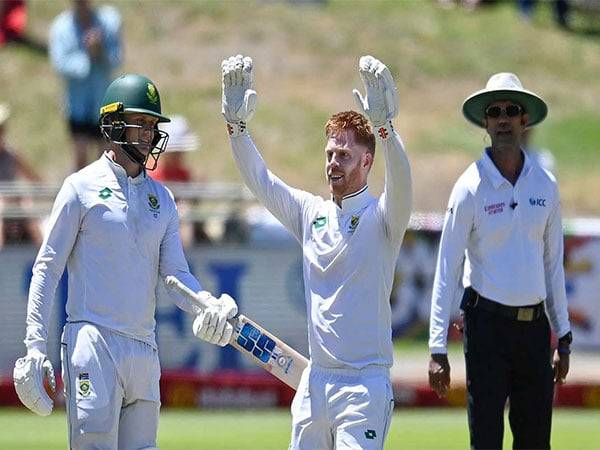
x=153 y=202
x=354 y=223
x=319 y=222
x=85 y=387
x=105 y=193
x=152 y=93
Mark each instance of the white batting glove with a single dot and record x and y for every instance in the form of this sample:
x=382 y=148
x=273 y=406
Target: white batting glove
x=380 y=103
x=212 y=324
x=238 y=102
x=28 y=376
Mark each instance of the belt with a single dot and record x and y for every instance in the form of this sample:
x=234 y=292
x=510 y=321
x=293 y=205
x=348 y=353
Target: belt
x=472 y=299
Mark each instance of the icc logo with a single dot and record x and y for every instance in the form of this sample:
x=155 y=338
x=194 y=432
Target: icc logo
x=537 y=202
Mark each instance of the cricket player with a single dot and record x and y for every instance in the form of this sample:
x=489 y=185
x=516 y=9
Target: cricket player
x=116 y=231
x=350 y=245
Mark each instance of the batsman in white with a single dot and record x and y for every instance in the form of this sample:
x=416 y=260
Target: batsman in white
x=350 y=246
x=116 y=231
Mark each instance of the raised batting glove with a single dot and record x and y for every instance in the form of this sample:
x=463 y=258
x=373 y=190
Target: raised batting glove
x=380 y=103
x=239 y=99
x=212 y=324
x=28 y=375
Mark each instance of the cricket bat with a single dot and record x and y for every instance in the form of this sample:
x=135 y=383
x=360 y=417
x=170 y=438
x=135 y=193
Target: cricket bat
x=262 y=347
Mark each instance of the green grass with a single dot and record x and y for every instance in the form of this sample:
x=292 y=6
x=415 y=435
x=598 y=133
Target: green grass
x=417 y=429
x=306 y=57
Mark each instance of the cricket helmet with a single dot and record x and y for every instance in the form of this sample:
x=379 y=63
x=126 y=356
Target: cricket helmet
x=133 y=93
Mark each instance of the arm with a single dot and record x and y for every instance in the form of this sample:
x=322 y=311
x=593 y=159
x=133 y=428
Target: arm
x=112 y=42
x=67 y=57
x=25 y=169
x=381 y=105
x=172 y=262
x=238 y=106
x=458 y=224
x=556 y=297
x=50 y=263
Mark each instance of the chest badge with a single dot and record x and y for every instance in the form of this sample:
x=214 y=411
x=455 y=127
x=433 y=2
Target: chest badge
x=319 y=222
x=354 y=223
x=153 y=202
x=105 y=193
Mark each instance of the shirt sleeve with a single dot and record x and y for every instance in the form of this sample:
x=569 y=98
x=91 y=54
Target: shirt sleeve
x=66 y=55
x=395 y=203
x=458 y=224
x=556 y=297
x=172 y=261
x=50 y=263
x=285 y=203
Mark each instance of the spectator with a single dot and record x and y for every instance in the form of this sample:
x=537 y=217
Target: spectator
x=13 y=20
x=85 y=48
x=172 y=168
x=12 y=167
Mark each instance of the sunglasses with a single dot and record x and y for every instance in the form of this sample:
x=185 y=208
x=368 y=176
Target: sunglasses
x=510 y=110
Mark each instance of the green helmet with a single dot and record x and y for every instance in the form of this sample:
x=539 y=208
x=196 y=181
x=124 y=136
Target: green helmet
x=133 y=93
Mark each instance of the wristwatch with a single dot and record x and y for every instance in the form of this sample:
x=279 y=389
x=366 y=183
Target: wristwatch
x=566 y=339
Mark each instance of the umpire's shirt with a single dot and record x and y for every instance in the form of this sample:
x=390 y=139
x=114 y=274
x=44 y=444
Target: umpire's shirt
x=513 y=240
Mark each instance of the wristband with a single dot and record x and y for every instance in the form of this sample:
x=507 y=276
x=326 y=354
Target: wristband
x=563 y=350
x=236 y=129
x=384 y=131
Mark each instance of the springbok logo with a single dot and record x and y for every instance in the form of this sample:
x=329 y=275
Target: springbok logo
x=152 y=93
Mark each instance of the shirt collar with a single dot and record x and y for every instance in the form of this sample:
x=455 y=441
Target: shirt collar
x=120 y=173
x=494 y=174
x=355 y=201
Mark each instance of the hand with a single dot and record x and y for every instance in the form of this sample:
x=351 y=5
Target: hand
x=380 y=103
x=212 y=323
x=239 y=99
x=439 y=374
x=560 y=363
x=93 y=42
x=28 y=376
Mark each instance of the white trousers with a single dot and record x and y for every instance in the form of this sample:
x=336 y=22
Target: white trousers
x=111 y=389
x=339 y=409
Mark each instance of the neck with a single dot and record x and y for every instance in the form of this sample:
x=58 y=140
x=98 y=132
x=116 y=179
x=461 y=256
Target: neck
x=508 y=160
x=339 y=198
x=118 y=155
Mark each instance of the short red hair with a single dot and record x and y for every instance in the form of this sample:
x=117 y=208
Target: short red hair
x=351 y=120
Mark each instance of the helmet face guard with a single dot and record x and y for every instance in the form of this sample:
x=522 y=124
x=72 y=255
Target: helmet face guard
x=133 y=93
x=114 y=129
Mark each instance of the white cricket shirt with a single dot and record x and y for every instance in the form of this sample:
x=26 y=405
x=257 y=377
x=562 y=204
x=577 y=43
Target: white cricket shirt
x=510 y=239
x=349 y=254
x=116 y=235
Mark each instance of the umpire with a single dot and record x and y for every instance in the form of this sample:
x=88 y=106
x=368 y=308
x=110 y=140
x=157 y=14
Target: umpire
x=503 y=224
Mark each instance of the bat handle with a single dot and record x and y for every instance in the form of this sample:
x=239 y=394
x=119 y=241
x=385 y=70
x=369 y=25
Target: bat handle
x=173 y=283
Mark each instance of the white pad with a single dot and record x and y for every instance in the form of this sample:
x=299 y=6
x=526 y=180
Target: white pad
x=28 y=377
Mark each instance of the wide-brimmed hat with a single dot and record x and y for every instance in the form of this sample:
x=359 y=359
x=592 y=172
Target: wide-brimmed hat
x=504 y=86
x=4 y=113
x=181 y=138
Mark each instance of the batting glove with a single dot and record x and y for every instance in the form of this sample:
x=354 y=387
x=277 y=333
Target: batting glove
x=212 y=323
x=380 y=103
x=28 y=376
x=239 y=99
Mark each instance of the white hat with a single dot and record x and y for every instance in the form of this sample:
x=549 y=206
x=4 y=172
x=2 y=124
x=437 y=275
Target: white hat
x=181 y=138
x=4 y=113
x=504 y=86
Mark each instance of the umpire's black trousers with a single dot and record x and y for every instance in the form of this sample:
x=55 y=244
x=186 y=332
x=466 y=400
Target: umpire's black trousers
x=507 y=358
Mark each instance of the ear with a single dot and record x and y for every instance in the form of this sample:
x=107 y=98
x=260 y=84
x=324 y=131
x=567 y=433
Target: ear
x=525 y=119
x=367 y=159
